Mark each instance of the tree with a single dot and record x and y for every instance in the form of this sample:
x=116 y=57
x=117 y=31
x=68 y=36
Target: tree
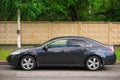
x=28 y=8
x=61 y=10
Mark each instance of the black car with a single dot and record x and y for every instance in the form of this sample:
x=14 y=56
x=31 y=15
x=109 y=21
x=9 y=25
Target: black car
x=64 y=51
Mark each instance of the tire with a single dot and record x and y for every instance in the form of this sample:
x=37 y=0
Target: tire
x=93 y=63
x=27 y=63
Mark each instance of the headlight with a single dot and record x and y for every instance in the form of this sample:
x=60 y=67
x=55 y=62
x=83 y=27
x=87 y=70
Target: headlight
x=14 y=53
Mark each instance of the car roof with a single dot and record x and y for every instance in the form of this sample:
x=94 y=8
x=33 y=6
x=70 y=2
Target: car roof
x=71 y=37
x=80 y=37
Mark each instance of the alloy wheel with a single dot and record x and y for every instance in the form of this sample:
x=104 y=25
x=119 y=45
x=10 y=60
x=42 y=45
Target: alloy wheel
x=27 y=63
x=93 y=63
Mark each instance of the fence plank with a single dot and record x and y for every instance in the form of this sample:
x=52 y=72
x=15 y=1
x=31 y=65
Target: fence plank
x=114 y=33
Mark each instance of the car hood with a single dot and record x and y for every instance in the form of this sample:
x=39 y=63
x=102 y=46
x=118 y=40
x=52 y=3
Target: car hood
x=21 y=50
x=25 y=49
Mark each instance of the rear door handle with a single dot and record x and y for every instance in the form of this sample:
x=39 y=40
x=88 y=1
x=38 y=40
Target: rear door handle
x=84 y=49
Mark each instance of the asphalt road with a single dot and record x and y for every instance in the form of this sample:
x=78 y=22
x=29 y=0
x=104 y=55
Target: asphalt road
x=111 y=72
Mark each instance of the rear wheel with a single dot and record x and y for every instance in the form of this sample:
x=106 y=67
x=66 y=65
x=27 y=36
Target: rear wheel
x=93 y=63
x=27 y=62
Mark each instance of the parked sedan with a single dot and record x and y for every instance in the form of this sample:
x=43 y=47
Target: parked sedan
x=64 y=51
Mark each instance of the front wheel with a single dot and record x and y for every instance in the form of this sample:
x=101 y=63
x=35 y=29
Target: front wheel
x=93 y=63
x=27 y=62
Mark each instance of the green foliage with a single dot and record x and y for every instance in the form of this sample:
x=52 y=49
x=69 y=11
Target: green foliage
x=4 y=53
x=60 y=10
x=7 y=10
x=117 y=52
x=30 y=9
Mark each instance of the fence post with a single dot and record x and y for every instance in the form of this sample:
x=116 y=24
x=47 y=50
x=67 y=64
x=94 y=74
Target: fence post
x=79 y=28
x=109 y=32
x=49 y=30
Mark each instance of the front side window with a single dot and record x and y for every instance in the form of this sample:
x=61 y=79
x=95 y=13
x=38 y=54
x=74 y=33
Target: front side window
x=58 y=43
x=78 y=43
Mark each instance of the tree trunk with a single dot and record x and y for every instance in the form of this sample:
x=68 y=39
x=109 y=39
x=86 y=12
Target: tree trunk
x=89 y=11
x=18 y=31
x=73 y=13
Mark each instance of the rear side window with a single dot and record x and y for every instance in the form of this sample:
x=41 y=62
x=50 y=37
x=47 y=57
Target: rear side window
x=78 y=43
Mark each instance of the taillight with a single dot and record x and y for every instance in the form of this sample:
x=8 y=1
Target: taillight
x=111 y=49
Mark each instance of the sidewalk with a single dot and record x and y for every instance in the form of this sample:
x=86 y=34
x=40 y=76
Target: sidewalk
x=4 y=62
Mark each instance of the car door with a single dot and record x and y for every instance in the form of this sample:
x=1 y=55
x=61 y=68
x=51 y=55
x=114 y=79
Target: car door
x=54 y=54
x=75 y=51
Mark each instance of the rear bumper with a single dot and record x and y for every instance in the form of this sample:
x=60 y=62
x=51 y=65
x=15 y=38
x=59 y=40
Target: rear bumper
x=110 y=59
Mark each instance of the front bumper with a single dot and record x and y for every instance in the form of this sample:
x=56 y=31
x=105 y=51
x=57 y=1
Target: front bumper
x=13 y=60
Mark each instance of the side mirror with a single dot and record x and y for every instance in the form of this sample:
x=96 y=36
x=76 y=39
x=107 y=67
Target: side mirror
x=45 y=48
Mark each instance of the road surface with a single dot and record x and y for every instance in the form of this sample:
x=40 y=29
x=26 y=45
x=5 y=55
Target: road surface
x=111 y=72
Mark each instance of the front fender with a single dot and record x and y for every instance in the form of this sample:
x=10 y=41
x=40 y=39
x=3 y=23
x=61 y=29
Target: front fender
x=29 y=53
x=33 y=54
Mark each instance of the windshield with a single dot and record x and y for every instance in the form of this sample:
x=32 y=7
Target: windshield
x=43 y=43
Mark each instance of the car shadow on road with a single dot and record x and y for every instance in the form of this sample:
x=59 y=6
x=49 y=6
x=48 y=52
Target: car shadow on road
x=60 y=69
x=67 y=68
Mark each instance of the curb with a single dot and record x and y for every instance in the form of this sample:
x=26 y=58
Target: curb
x=4 y=62
x=118 y=62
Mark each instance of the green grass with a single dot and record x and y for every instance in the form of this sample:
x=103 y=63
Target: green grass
x=117 y=52
x=4 y=52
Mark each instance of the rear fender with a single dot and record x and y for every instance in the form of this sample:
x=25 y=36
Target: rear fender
x=95 y=53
